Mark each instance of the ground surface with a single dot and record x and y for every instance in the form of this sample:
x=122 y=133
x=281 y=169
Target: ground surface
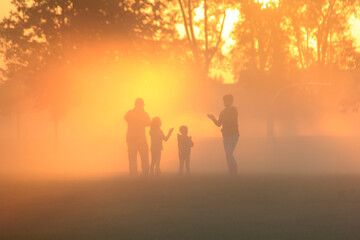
x=200 y=207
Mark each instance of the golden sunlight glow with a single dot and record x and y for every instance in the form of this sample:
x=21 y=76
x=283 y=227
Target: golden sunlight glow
x=232 y=17
x=266 y=3
x=356 y=30
x=97 y=90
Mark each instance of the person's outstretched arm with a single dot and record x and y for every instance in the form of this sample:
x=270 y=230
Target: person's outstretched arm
x=169 y=134
x=213 y=118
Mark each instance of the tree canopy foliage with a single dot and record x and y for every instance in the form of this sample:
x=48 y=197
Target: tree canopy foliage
x=295 y=35
x=41 y=37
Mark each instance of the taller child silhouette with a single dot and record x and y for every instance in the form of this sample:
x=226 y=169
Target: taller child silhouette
x=137 y=120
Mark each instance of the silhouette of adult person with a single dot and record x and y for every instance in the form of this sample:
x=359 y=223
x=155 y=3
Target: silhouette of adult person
x=137 y=120
x=228 y=119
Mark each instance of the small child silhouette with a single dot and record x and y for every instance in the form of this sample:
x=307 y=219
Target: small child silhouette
x=157 y=137
x=185 y=144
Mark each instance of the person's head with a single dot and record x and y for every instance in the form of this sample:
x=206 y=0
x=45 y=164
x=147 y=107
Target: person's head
x=139 y=103
x=228 y=100
x=155 y=123
x=183 y=130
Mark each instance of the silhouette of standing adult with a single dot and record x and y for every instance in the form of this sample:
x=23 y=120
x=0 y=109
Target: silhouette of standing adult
x=228 y=119
x=137 y=120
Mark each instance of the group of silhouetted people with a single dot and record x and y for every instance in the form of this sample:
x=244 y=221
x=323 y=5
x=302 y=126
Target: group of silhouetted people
x=137 y=120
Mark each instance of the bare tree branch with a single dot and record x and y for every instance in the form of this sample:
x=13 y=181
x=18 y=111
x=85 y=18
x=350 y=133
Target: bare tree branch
x=194 y=42
x=219 y=37
x=191 y=22
x=185 y=21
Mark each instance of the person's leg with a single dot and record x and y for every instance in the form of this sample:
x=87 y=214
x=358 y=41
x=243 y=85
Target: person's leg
x=144 y=155
x=153 y=156
x=181 y=165
x=157 y=163
x=132 y=155
x=229 y=146
x=187 y=164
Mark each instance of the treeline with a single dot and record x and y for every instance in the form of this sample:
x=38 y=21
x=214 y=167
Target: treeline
x=43 y=39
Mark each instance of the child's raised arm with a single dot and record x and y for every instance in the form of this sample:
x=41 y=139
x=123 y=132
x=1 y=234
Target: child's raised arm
x=169 y=134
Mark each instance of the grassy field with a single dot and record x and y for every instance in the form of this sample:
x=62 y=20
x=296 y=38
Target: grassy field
x=170 y=207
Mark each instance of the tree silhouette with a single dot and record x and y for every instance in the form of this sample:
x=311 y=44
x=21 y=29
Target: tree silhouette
x=289 y=42
x=208 y=42
x=294 y=35
x=41 y=38
x=261 y=43
x=44 y=40
x=326 y=23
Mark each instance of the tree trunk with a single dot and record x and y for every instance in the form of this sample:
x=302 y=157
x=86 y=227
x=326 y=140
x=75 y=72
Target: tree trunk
x=206 y=33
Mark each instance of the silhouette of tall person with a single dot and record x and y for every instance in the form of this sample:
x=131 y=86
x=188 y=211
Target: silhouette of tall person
x=137 y=120
x=228 y=119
